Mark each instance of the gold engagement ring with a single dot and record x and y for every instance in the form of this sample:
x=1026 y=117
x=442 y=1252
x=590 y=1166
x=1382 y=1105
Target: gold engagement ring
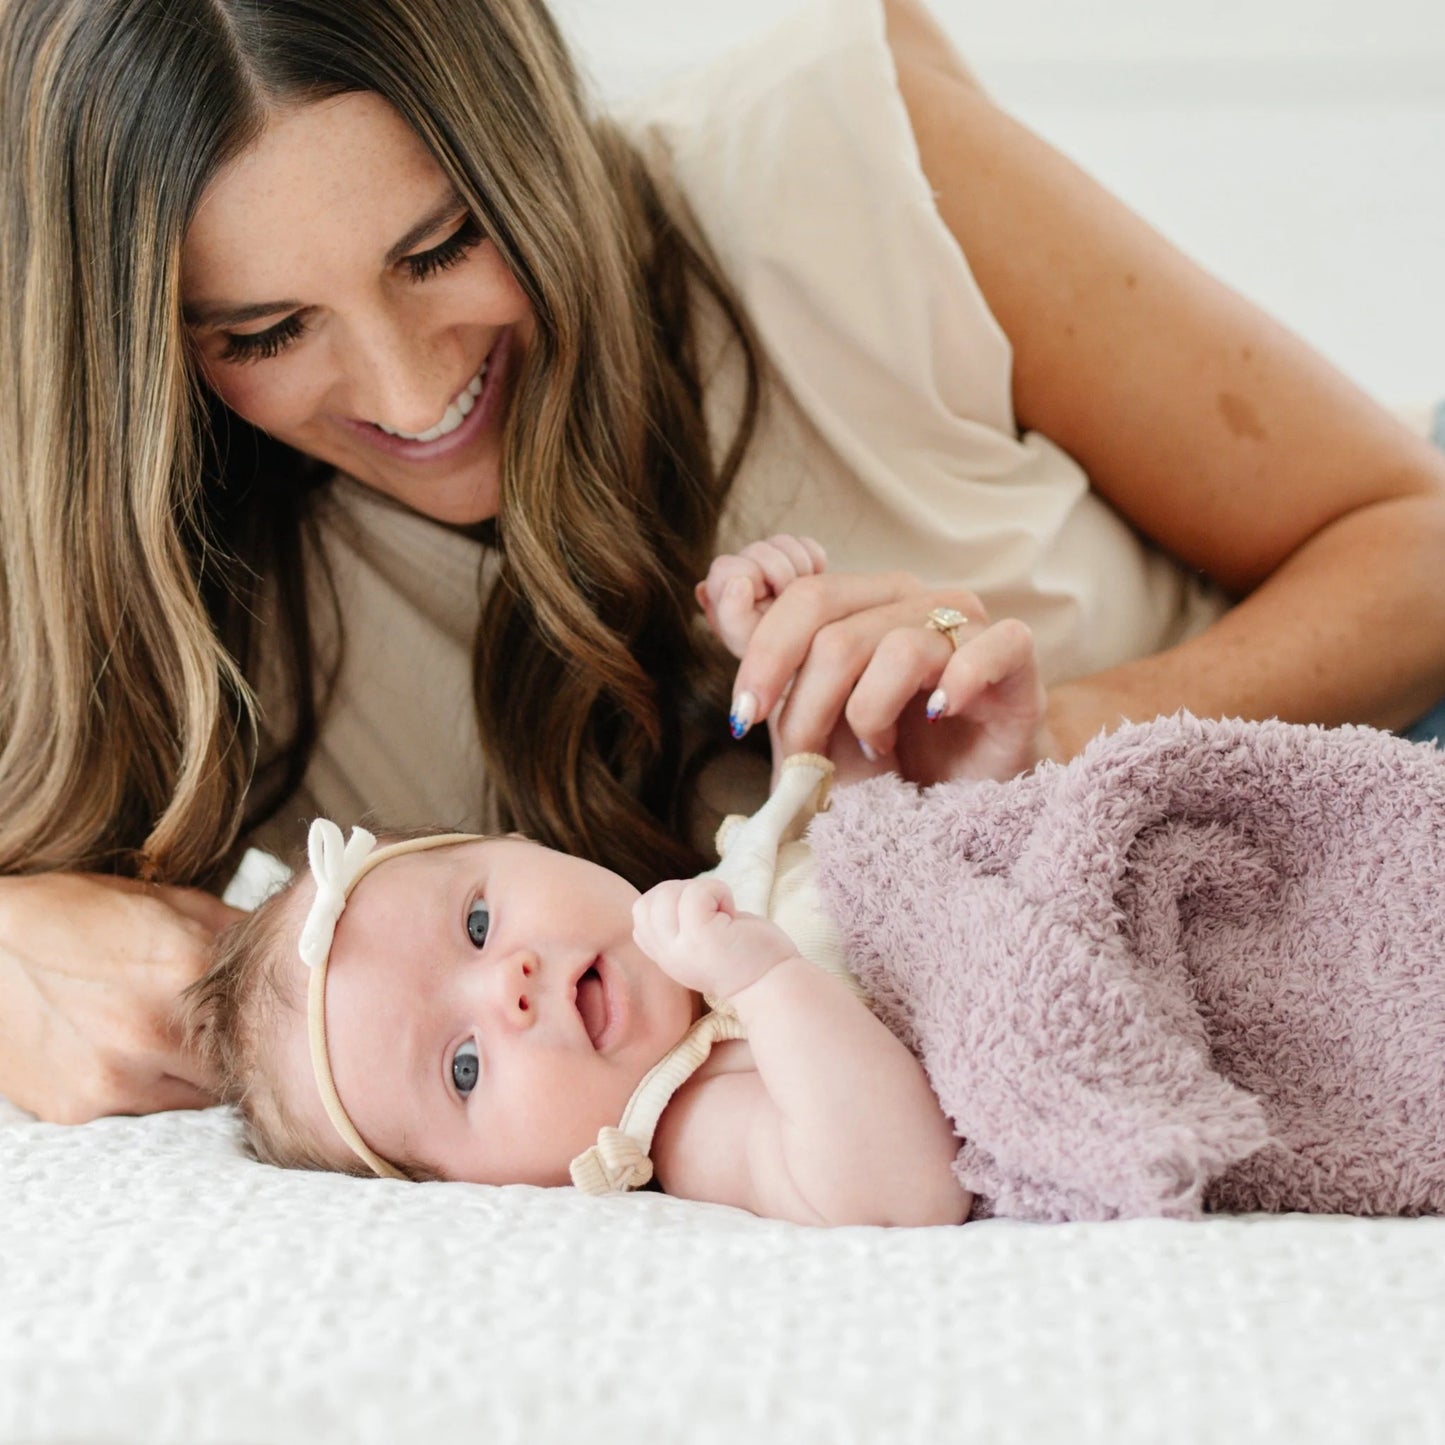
x=947 y=620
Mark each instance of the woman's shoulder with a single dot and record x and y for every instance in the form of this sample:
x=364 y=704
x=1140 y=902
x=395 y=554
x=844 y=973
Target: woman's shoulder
x=784 y=135
x=815 y=37
x=830 y=65
x=792 y=160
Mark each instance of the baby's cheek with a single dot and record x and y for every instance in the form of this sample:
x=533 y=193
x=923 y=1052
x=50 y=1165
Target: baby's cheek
x=572 y=1107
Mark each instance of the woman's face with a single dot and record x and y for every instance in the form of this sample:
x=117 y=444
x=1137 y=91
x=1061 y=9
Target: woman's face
x=341 y=297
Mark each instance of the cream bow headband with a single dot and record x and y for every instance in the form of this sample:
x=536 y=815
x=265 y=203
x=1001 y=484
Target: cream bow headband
x=338 y=867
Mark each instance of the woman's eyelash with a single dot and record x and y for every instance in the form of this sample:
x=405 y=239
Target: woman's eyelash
x=465 y=238
x=262 y=345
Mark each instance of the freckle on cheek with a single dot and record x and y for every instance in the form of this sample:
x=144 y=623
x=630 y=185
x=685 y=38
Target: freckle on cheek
x=1241 y=418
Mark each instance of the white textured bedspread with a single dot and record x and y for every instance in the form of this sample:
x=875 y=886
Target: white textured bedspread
x=156 y=1286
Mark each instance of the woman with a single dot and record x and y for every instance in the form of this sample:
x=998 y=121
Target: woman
x=327 y=314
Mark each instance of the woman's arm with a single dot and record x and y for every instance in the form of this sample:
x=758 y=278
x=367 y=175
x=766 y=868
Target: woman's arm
x=1210 y=427
x=90 y=971
x=838 y=1124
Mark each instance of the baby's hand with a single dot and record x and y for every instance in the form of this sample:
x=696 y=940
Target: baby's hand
x=741 y=586
x=691 y=930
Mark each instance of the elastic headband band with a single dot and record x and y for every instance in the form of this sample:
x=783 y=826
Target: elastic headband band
x=337 y=868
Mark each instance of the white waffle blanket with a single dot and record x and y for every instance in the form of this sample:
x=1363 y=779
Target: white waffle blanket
x=156 y=1287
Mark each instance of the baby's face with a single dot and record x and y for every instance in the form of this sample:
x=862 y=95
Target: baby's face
x=488 y=1011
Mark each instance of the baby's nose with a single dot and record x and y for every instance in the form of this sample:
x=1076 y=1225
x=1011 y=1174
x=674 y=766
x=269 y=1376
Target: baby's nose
x=517 y=988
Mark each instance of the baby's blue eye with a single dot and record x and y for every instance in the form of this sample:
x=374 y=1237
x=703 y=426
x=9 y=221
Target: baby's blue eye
x=479 y=919
x=466 y=1067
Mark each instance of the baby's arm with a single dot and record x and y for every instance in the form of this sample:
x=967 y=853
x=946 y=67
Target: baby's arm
x=839 y=1125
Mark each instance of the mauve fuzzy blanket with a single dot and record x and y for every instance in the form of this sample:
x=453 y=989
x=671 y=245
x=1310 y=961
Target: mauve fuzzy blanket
x=1201 y=967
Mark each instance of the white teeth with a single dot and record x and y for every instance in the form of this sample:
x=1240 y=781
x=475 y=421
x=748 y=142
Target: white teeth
x=457 y=411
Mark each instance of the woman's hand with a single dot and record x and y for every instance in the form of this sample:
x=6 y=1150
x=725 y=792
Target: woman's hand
x=691 y=930
x=90 y=971
x=828 y=660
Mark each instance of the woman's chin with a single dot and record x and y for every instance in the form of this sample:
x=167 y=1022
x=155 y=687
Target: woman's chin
x=459 y=501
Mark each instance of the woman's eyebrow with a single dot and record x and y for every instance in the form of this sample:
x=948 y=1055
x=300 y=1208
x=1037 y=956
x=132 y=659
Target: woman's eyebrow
x=228 y=313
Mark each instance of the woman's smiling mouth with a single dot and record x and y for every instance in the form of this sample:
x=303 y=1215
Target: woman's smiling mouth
x=458 y=409
x=475 y=409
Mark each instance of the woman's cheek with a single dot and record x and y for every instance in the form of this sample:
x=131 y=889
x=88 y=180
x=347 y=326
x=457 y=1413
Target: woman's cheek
x=267 y=402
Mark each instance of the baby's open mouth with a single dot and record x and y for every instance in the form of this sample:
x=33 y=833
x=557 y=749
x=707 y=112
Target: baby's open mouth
x=592 y=1004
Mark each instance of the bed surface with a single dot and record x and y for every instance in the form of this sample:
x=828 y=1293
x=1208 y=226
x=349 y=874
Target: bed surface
x=156 y=1286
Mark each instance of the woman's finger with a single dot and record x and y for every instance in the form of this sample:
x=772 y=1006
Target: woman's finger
x=99 y=1085
x=985 y=718
x=137 y=1039
x=907 y=662
x=789 y=632
x=177 y=1059
x=888 y=652
x=1000 y=662
x=141 y=1027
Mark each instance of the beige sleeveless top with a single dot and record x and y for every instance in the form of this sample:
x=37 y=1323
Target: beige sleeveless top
x=888 y=431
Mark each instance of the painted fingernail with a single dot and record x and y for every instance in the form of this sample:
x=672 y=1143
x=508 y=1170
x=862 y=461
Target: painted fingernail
x=937 y=705
x=868 y=751
x=745 y=709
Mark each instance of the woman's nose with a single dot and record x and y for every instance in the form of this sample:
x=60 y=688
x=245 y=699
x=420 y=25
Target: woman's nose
x=395 y=381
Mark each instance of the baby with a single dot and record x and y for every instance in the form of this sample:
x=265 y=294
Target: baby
x=484 y=1009
x=487 y=1009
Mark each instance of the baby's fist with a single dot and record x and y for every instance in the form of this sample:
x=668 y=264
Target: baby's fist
x=692 y=931
x=741 y=586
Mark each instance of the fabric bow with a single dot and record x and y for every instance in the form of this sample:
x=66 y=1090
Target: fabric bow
x=335 y=866
x=615 y=1164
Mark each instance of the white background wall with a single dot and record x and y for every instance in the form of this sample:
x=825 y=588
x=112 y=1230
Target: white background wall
x=1052 y=29
x=1296 y=147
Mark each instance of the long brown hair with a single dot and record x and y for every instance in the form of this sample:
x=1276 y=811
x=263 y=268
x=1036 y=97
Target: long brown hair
x=140 y=523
